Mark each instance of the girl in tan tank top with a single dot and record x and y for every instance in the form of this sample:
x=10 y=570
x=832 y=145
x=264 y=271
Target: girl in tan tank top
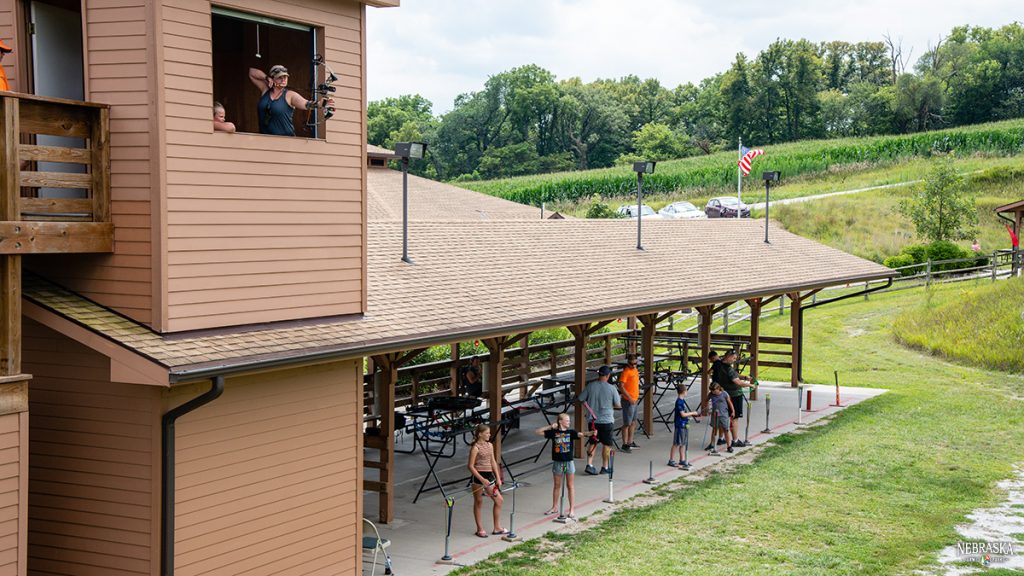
x=483 y=467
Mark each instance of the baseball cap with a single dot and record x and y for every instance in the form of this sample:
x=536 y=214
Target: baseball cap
x=278 y=70
x=4 y=47
x=604 y=371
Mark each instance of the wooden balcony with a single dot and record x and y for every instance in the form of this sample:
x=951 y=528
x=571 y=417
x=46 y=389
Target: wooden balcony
x=54 y=194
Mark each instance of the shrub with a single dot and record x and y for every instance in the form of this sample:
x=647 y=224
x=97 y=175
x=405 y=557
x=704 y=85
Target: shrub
x=899 y=261
x=918 y=252
x=599 y=209
x=946 y=250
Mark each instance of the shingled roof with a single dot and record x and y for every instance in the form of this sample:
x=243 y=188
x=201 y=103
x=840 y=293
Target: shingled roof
x=472 y=281
x=431 y=200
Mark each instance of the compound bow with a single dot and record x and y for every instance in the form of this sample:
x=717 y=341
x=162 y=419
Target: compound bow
x=320 y=93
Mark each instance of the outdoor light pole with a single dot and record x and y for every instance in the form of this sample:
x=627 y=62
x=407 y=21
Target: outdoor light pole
x=407 y=150
x=640 y=168
x=768 y=178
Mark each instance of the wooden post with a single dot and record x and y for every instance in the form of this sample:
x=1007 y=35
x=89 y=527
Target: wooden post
x=579 y=334
x=755 y=335
x=99 y=168
x=607 y=349
x=796 y=330
x=705 y=349
x=649 y=324
x=388 y=364
x=495 y=393
x=631 y=326
x=388 y=377
x=453 y=372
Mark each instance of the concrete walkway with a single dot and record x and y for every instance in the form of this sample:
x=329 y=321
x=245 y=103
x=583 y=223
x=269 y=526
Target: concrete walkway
x=417 y=534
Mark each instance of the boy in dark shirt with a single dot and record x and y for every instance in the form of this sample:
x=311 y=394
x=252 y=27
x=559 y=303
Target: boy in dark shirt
x=681 y=435
x=563 y=446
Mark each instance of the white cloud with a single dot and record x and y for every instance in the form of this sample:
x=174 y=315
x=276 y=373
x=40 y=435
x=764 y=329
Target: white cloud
x=442 y=48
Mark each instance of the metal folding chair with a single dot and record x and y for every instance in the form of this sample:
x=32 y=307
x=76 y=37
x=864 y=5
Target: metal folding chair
x=378 y=545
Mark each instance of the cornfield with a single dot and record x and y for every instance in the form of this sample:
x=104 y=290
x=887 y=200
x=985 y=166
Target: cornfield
x=718 y=170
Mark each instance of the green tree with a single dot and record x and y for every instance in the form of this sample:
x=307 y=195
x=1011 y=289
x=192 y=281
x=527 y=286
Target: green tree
x=736 y=99
x=942 y=209
x=407 y=115
x=656 y=141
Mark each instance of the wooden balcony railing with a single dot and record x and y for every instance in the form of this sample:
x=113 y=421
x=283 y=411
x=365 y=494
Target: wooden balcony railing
x=54 y=193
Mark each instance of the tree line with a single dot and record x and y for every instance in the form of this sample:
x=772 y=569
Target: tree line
x=526 y=121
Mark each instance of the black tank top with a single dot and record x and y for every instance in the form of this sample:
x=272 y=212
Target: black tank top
x=275 y=115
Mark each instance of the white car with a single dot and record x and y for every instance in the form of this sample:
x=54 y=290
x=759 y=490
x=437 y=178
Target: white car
x=629 y=211
x=681 y=211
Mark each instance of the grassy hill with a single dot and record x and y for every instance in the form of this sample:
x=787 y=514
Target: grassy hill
x=868 y=225
x=717 y=172
x=982 y=326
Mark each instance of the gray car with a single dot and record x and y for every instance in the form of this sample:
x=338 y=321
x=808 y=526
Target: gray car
x=725 y=207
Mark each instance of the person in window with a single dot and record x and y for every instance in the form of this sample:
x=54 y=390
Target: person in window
x=277 y=102
x=220 y=123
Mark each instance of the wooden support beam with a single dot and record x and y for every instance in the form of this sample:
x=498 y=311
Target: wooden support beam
x=99 y=170
x=10 y=315
x=631 y=326
x=388 y=364
x=721 y=307
x=755 y=335
x=453 y=371
x=649 y=324
x=580 y=335
x=55 y=237
x=706 y=313
x=665 y=316
x=495 y=393
x=593 y=328
x=794 y=323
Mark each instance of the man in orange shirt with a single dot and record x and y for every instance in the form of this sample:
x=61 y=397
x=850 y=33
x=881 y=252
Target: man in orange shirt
x=629 y=382
x=4 y=49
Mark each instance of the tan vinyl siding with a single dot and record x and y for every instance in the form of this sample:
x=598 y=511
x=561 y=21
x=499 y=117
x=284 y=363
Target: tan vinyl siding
x=261 y=228
x=269 y=475
x=13 y=492
x=119 y=55
x=9 y=34
x=94 y=470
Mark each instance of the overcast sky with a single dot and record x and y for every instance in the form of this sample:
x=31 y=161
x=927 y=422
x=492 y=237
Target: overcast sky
x=442 y=48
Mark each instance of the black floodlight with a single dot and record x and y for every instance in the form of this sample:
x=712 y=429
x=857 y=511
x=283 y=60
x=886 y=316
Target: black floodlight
x=645 y=167
x=414 y=150
x=770 y=176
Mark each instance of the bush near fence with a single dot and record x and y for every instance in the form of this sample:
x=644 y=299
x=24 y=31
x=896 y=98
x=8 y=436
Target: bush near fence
x=719 y=170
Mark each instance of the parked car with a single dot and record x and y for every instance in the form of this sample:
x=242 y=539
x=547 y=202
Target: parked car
x=629 y=211
x=681 y=211
x=725 y=207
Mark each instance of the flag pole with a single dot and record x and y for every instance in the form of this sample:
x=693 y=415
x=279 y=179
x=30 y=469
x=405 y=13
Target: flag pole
x=739 y=177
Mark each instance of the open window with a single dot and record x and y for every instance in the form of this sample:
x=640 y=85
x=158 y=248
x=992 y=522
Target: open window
x=242 y=41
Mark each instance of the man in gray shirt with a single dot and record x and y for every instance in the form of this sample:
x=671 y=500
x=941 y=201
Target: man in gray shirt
x=601 y=400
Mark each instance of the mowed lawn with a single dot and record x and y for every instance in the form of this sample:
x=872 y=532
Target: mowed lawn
x=876 y=491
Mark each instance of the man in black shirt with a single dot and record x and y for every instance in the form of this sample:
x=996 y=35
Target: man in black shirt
x=733 y=384
x=471 y=379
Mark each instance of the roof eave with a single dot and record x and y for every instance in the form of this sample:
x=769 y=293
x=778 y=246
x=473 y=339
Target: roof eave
x=205 y=371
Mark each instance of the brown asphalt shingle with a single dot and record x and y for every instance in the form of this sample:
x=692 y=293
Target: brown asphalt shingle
x=477 y=279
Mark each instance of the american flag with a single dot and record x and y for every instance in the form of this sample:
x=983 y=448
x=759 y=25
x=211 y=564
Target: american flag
x=748 y=155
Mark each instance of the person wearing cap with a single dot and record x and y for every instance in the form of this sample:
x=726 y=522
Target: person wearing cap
x=601 y=400
x=278 y=103
x=4 y=49
x=733 y=384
